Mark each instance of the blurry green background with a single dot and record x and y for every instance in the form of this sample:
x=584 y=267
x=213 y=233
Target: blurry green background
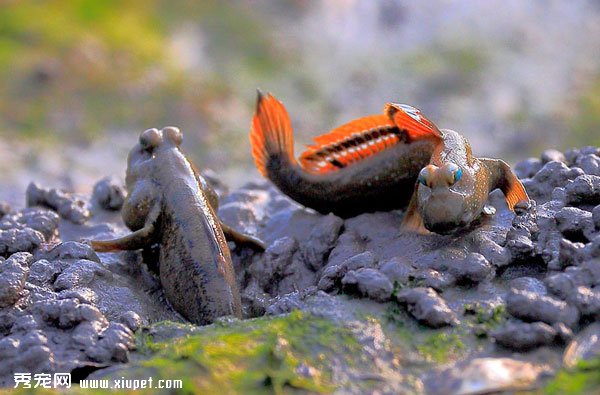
x=80 y=79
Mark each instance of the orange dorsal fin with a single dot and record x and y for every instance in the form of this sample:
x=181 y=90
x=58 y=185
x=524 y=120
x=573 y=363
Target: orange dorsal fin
x=412 y=122
x=350 y=143
x=271 y=134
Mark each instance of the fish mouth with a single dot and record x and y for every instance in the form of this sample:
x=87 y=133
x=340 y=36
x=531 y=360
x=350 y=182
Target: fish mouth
x=442 y=210
x=442 y=228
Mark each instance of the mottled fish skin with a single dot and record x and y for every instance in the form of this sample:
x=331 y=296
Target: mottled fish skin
x=447 y=208
x=382 y=182
x=195 y=264
x=169 y=204
x=442 y=204
x=373 y=164
x=366 y=165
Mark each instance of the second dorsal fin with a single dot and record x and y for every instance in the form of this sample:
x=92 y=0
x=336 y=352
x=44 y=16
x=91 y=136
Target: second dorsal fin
x=412 y=122
x=350 y=143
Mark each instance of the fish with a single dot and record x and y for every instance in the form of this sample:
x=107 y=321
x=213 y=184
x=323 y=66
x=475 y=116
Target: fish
x=365 y=165
x=171 y=205
x=452 y=189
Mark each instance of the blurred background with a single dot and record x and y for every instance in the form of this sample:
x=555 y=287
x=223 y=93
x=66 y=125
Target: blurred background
x=80 y=79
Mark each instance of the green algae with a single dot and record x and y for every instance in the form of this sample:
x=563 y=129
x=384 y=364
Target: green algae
x=277 y=355
x=433 y=345
x=583 y=378
x=482 y=320
x=395 y=314
x=442 y=347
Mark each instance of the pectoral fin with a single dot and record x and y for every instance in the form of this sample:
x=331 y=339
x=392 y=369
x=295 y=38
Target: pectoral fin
x=507 y=182
x=139 y=239
x=413 y=222
x=134 y=241
x=242 y=239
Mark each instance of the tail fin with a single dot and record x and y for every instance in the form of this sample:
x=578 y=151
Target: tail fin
x=271 y=134
x=412 y=121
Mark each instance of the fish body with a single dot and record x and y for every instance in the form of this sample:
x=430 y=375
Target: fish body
x=171 y=205
x=453 y=188
x=366 y=165
x=196 y=271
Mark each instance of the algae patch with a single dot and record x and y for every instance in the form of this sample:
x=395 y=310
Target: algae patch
x=441 y=347
x=297 y=351
x=437 y=346
x=483 y=319
x=584 y=378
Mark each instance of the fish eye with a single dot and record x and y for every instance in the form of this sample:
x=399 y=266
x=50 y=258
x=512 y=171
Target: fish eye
x=150 y=139
x=454 y=173
x=424 y=177
x=457 y=175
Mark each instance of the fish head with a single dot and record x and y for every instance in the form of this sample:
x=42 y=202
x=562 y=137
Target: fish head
x=151 y=141
x=442 y=197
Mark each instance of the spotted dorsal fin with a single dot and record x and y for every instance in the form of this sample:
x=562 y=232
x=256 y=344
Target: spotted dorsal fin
x=412 y=122
x=350 y=143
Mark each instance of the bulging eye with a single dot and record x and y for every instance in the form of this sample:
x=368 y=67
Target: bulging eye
x=454 y=173
x=150 y=139
x=457 y=174
x=424 y=177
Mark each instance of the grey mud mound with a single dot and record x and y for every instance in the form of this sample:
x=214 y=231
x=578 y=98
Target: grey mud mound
x=109 y=194
x=427 y=306
x=62 y=308
x=528 y=282
x=437 y=314
x=66 y=205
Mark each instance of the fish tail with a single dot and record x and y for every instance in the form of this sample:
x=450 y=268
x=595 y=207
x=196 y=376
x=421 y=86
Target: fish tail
x=271 y=135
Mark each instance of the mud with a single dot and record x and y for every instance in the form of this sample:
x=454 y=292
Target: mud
x=428 y=307
x=68 y=206
x=109 y=193
x=64 y=309
x=525 y=285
